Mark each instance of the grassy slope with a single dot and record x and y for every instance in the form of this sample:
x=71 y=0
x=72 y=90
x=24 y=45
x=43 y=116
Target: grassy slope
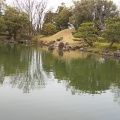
x=68 y=37
x=66 y=34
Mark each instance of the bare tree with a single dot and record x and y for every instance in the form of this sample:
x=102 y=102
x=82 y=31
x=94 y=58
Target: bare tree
x=40 y=13
x=36 y=11
x=2 y=2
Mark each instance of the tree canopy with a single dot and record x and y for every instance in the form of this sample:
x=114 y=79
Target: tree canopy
x=87 y=31
x=112 y=31
x=96 y=11
x=15 y=21
x=30 y=17
x=49 y=29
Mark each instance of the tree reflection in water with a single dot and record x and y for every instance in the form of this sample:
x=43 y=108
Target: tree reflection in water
x=35 y=77
x=116 y=91
x=28 y=68
x=28 y=71
x=92 y=75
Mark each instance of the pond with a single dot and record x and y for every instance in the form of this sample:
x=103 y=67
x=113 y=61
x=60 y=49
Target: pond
x=36 y=84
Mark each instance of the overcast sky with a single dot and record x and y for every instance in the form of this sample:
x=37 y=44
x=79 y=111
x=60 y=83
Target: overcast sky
x=55 y=3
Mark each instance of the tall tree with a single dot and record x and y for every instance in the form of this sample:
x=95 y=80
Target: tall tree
x=2 y=2
x=49 y=17
x=61 y=19
x=93 y=10
x=36 y=11
x=88 y=32
x=104 y=9
x=112 y=31
x=82 y=11
x=2 y=25
x=40 y=12
x=49 y=29
x=15 y=21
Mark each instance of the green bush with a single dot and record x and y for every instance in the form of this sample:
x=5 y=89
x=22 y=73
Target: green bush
x=26 y=37
x=76 y=35
x=101 y=39
x=49 y=29
x=77 y=39
x=3 y=37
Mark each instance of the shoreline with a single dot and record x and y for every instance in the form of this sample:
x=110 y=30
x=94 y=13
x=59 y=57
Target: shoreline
x=63 y=47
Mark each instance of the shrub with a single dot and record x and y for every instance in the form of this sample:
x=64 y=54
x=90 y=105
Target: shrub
x=101 y=39
x=26 y=37
x=3 y=37
x=49 y=29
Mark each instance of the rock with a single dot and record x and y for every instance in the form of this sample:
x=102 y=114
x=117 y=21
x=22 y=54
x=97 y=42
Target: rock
x=56 y=44
x=81 y=49
x=51 y=42
x=117 y=53
x=60 y=46
x=73 y=48
x=97 y=52
x=90 y=51
x=66 y=43
x=41 y=43
x=51 y=47
x=105 y=51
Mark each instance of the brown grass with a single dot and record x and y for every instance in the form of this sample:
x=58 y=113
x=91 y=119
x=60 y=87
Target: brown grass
x=66 y=34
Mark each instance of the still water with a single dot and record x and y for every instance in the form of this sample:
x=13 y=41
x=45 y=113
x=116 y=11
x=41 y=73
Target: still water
x=39 y=85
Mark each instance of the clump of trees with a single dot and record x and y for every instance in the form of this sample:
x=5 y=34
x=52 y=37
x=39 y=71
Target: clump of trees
x=25 y=18
x=112 y=30
x=104 y=15
x=49 y=29
x=88 y=32
x=60 y=18
x=15 y=21
x=90 y=18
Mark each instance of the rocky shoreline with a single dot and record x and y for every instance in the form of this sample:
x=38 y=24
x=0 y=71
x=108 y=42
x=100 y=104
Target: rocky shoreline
x=67 y=47
x=64 y=47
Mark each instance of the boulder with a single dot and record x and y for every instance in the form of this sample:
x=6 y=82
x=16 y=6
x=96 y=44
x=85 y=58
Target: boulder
x=51 y=47
x=117 y=53
x=61 y=45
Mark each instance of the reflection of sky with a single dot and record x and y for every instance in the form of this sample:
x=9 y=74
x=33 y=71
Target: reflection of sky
x=55 y=103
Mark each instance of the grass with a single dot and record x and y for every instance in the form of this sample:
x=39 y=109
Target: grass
x=66 y=34
x=3 y=37
x=103 y=45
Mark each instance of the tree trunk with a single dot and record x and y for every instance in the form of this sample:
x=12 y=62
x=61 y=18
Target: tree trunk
x=15 y=35
x=10 y=34
x=110 y=44
x=90 y=44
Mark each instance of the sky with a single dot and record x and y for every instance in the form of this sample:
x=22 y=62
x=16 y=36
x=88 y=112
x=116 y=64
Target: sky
x=53 y=3
x=56 y=3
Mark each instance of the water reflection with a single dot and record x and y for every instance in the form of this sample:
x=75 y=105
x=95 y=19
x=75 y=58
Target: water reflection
x=28 y=68
x=116 y=92
x=23 y=69
x=89 y=75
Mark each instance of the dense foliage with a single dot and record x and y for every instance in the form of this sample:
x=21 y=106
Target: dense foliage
x=112 y=31
x=93 y=10
x=15 y=20
x=49 y=29
x=87 y=31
